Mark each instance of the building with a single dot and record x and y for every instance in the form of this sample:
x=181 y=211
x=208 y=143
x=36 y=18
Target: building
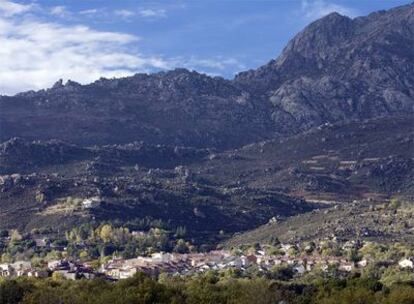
x=92 y=202
x=300 y=269
x=362 y=263
x=5 y=270
x=41 y=242
x=67 y=274
x=21 y=266
x=407 y=263
x=58 y=265
x=37 y=274
x=127 y=273
x=346 y=267
x=161 y=257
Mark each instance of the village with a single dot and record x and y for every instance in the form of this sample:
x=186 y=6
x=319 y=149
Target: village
x=177 y=264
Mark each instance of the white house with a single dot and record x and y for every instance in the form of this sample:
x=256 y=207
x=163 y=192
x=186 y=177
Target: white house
x=59 y=265
x=5 y=270
x=37 y=274
x=346 y=267
x=40 y=242
x=407 y=263
x=161 y=257
x=21 y=265
x=285 y=247
x=91 y=202
x=127 y=273
x=300 y=269
x=362 y=263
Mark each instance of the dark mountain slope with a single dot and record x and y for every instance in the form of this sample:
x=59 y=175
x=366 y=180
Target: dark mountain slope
x=334 y=162
x=336 y=69
x=177 y=108
x=43 y=184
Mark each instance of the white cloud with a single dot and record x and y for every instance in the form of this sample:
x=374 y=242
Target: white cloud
x=91 y=11
x=60 y=11
x=9 y=9
x=145 y=13
x=153 y=13
x=314 y=9
x=35 y=53
x=124 y=13
x=217 y=64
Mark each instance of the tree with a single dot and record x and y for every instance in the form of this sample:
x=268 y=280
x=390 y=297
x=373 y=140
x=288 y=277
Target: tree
x=57 y=276
x=395 y=203
x=6 y=258
x=40 y=196
x=282 y=273
x=83 y=255
x=181 y=247
x=394 y=275
x=180 y=232
x=353 y=255
x=274 y=241
x=15 y=236
x=106 y=233
x=53 y=255
x=4 y=233
x=293 y=251
x=309 y=247
x=350 y=295
x=11 y=292
x=400 y=295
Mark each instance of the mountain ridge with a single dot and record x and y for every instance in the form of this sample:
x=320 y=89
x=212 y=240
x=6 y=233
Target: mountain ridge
x=336 y=69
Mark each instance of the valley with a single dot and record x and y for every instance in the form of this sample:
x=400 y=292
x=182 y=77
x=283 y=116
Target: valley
x=295 y=178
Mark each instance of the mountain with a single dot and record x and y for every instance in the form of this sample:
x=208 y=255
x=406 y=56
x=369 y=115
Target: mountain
x=330 y=120
x=336 y=69
x=339 y=68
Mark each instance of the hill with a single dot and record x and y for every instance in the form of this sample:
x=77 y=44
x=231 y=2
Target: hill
x=44 y=185
x=386 y=223
x=333 y=162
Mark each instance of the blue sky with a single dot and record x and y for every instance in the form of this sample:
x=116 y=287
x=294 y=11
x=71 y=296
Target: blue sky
x=83 y=40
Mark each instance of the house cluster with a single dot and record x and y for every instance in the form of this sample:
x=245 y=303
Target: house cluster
x=21 y=268
x=63 y=268
x=70 y=270
x=187 y=264
x=174 y=263
x=217 y=260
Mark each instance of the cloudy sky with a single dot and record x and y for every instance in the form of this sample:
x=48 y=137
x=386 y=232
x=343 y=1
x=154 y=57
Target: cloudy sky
x=82 y=40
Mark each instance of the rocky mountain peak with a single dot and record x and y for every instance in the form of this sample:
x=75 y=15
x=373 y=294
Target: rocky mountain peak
x=339 y=68
x=314 y=44
x=58 y=84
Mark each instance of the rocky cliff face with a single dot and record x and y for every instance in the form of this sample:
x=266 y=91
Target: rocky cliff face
x=336 y=69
